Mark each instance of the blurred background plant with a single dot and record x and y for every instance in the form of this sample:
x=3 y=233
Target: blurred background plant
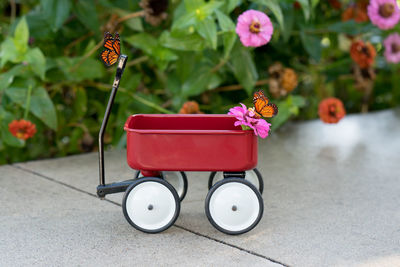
x=53 y=83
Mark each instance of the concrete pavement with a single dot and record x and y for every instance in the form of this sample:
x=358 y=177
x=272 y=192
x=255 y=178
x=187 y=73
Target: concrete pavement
x=331 y=198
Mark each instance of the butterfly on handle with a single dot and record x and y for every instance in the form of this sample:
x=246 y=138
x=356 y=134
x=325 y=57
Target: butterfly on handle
x=262 y=107
x=112 y=49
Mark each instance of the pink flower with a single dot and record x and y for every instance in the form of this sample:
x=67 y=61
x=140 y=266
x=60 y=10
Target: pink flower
x=254 y=28
x=392 y=48
x=384 y=13
x=247 y=119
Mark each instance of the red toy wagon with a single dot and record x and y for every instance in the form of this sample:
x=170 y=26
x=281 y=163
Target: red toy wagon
x=162 y=147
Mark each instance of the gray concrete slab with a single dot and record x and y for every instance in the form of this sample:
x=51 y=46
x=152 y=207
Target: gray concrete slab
x=44 y=223
x=331 y=192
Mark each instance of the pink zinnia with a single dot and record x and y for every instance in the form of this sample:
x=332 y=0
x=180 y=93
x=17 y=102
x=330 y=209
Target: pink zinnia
x=247 y=118
x=392 y=48
x=384 y=13
x=254 y=28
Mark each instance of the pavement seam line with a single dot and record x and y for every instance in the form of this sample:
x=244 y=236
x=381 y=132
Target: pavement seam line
x=175 y=225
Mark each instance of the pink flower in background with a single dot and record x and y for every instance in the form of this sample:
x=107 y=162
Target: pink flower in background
x=384 y=13
x=392 y=48
x=254 y=28
x=246 y=118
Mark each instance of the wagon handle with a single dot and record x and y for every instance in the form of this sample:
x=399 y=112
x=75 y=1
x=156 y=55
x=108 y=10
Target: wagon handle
x=118 y=74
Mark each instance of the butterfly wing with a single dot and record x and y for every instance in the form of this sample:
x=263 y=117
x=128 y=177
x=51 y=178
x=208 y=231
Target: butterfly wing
x=269 y=111
x=116 y=44
x=108 y=41
x=262 y=105
x=109 y=57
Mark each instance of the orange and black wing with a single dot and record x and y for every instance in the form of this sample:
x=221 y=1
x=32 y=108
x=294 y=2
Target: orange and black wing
x=116 y=44
x=112 y=49
x=262 y=105
x=109 y=57
x=108 y=41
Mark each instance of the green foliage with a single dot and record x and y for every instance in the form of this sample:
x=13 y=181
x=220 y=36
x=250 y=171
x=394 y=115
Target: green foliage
x=50 y=72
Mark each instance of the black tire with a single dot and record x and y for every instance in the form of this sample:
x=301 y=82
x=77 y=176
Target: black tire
x=234 y=207
x=137 y=182
x=258 y=174
x=184 y=179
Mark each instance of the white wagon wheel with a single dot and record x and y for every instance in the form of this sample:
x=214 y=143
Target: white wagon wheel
x=253 y=176
x=151 y=205
x=177 y=179
x=234 y=206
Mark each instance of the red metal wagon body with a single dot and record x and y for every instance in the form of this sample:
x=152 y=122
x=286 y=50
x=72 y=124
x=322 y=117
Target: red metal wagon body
x=189 y=143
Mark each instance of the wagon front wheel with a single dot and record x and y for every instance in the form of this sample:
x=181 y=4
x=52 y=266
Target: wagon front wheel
x=151 y=205
x=253 y=176
x=177 y=179
x=234 y=206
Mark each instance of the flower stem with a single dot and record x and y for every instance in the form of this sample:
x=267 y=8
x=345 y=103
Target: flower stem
x=28 y=102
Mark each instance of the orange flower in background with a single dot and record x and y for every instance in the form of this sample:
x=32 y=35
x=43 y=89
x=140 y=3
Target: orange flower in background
x=190 y=107
x=358 y=12
x=289 y=79
x=362 y=53
x=331 y=110
x=22 y=129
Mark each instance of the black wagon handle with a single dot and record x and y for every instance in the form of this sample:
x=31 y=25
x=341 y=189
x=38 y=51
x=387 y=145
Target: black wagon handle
x=120 y=69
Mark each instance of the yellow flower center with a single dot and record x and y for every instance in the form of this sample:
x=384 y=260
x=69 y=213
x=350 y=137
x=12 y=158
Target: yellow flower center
x=20 y=134
x=386 y=10
x=255 y=27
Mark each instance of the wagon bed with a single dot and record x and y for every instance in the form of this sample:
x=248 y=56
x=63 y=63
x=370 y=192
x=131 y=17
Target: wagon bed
x=185 y=142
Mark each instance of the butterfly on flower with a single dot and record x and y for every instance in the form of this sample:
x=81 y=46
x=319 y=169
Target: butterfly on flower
x=262 y=107
x=112 y=49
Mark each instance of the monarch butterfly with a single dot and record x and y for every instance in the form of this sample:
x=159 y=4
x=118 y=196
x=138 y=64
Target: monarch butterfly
x=262 y=106
x=112 y=49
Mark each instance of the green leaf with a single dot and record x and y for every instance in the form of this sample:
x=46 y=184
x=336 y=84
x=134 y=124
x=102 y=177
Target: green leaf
x=282 y=116
x=208 y=30
x=135 y=24
x=182 y=41
x=314 y=3
x=6 y=78
x=41 y=104
x=87 y=14
x=225 y=22
x=229 y=39
x=244 y=67
x=37 y=61
x=143 y=41
x=56 y=12
x=312 y=44
x=350 y=27
x=21 y=36
x=195 y=14
x=88 y=70
x=153 y=48
x=8 y=52
x=230 y=5
x=305 y=4
x=80 y=103
x=197 y=82
x=273 y=5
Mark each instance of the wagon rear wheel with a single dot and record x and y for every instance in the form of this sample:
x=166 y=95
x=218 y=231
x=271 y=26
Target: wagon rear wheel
x=253 y=176
x=151 y=205
x=177 y=179
x=234 y=206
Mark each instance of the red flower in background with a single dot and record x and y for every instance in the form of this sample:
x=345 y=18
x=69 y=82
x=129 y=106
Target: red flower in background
x=22 y=129
x=331 y=110
x=363 y=54
x=357 y=11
